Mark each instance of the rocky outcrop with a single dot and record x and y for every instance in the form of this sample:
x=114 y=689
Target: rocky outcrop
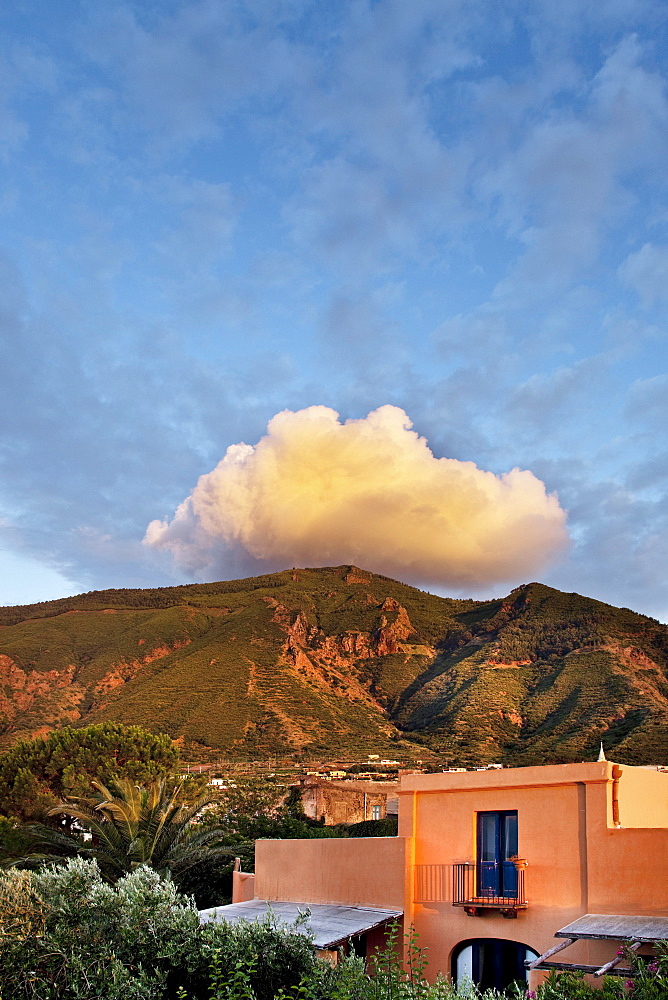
x=21 y=689
x=328 y=661
x=390 y=636
x=347 y=647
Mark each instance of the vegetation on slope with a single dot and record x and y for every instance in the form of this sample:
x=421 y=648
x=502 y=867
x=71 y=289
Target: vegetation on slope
x=339 y=661
x=544 y=676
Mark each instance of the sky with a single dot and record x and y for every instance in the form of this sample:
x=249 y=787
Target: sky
x=304 y=282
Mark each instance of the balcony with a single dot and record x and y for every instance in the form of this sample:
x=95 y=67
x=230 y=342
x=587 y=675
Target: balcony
x=489 y=885
x=477 y=888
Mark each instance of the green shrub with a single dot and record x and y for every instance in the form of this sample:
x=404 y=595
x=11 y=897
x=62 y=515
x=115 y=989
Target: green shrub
x=259 y=959
x=386 y=827
x=78 y=937
x=66 y=934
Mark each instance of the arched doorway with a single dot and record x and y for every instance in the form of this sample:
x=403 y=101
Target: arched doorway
x=490 y=962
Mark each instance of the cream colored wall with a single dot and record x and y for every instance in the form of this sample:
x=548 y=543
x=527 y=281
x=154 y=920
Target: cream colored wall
x=355 y=871
x=628 y=872
x=643 y=797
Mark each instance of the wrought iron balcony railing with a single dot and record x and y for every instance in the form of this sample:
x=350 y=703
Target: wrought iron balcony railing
x=476 y=887
x=489 y=885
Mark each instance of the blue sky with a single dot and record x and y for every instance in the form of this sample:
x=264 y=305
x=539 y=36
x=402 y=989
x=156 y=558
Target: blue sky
x=211 y=212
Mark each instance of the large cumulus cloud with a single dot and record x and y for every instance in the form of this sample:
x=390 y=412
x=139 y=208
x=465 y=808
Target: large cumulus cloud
x=315 y=491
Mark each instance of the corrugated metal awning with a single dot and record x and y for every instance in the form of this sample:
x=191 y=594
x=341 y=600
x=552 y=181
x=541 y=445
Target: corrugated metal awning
x=636 y=930
x=616 y=927
x=329 y=925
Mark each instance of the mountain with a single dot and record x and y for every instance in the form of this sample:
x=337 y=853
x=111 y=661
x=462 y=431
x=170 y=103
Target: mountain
x=339 y=661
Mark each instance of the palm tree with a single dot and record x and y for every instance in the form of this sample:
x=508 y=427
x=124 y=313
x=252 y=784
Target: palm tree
x=134 y=825
x=125 y=825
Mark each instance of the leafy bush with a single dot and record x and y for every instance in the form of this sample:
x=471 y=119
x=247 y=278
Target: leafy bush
x=68 y=934
x=386 y=827
x=65 y=934
x=261 y=960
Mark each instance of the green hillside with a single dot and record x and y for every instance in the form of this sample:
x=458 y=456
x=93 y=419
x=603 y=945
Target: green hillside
x=340 y=661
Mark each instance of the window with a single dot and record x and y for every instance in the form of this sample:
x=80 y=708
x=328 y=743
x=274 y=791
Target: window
x=490 y=962
x=497 y=844
x=375 y=812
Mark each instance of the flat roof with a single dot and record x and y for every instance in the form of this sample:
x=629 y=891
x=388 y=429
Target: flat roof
x=616 y=927
x=534 y=776
x=328 y=925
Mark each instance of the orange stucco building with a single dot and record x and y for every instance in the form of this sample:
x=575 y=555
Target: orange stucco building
x=490 y=865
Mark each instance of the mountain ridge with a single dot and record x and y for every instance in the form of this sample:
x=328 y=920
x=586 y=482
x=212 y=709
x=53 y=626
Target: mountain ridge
x=341 y=660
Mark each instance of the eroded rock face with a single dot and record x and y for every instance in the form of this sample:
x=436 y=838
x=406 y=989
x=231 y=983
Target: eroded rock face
x=348 y=645
x=335 y=659
x=126 y=670
x=59 y=696
x=389 y=637
x=327 y=660
x=20 y=689
x=512 y=716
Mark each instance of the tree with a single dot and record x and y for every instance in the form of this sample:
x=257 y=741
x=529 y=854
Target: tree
x=243 y=799
x=130 y=825
x=35 y=774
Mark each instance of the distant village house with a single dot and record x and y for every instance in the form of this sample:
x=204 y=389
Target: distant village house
x=348 y=801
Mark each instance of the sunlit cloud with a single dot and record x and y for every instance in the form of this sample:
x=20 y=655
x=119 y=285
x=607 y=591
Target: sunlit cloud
x=316 y=491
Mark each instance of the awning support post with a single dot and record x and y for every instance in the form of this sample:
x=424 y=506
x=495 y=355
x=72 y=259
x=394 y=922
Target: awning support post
x=615 y=961
x=548 y=954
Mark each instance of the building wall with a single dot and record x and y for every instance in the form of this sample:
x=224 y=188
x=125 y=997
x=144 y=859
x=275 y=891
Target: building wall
x=550 y=837
x=356 y=871
x=243 y=887
x=629 y=872
x=578 y=860
x=642 y=795
x=586 y=831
